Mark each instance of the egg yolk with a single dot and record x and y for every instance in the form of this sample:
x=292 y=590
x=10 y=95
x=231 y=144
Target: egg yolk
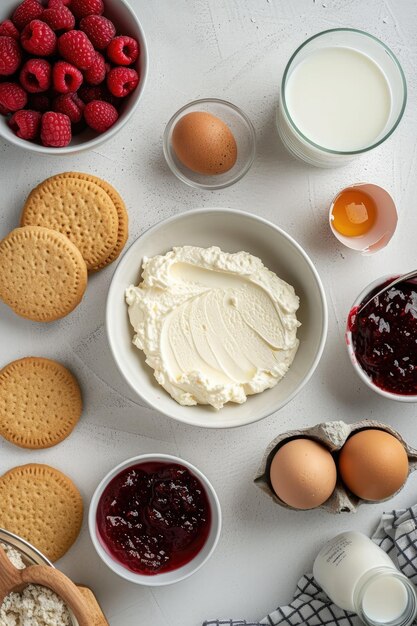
x=354 y=213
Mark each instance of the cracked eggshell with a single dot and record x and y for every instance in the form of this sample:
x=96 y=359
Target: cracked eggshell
x=384 y=227
x=332 y=435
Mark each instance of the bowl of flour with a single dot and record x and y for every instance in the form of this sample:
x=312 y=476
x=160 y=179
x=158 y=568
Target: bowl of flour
x=36 y=605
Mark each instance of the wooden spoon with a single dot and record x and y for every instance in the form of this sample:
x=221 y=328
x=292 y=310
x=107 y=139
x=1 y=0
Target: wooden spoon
x=13 y=579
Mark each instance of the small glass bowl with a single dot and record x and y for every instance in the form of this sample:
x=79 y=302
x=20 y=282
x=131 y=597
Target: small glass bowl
x=243 y=132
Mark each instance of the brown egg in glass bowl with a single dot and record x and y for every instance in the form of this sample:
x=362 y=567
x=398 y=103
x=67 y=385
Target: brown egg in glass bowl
x=226 y=131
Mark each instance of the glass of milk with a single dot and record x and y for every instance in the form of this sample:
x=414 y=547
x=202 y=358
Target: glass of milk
x=343 y=93
x=359 y=576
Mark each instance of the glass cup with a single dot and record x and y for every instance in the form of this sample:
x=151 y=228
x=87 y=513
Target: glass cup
x=304 y=148
x=242 y=130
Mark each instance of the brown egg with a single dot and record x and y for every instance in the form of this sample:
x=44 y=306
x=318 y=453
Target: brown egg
x=373 y=464
x=204 y=143
x=303 y=474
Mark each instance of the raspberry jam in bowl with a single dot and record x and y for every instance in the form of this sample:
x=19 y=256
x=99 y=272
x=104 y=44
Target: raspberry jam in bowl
x=381 y=339
x=155 y=519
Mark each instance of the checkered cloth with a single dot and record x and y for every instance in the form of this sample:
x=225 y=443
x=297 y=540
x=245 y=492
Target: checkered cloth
x=396 y=534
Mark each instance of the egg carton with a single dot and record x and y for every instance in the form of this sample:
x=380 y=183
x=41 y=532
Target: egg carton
x=332 y=435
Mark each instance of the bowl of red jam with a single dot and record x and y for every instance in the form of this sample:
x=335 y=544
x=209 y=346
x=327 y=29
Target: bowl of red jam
x=382 y=339
x=155 y=519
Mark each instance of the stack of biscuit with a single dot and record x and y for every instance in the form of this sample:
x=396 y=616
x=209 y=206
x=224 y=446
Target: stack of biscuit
x=71 y=224
x=40 y=404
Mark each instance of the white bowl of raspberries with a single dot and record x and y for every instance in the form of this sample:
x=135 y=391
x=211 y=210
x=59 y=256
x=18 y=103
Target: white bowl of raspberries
x=71 y=72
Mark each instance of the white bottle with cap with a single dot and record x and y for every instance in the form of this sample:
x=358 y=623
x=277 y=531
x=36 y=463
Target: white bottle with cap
x=360 y=577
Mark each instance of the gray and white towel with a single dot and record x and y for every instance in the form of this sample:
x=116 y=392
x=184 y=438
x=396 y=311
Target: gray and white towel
x=396 y=534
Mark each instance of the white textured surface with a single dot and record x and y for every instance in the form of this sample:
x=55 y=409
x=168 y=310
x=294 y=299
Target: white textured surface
x=236 y=50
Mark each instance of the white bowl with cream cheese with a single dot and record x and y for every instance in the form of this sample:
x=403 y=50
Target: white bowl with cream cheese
x=215 y=326
x=233 y=232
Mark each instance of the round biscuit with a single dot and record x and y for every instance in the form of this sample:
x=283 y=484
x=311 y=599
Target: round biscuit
x=43 y=506
x=79 y=209
x=43 y=276
x=122 y=232
x=40 y=402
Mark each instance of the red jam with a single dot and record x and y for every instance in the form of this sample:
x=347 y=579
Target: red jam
x=384 y=338
x=154 y=517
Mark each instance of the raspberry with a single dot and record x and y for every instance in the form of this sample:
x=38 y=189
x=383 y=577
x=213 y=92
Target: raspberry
x=35 y=75
x=52 y=4
x=82 y=8
x=123 y=50
x=26 y=124
x=38 y=38
x=66 y=78
x=12 y=97
x=100 y=115
x=88 y=93
x=121 y=81
x=10 y=55
x=59 y=18
x=39 y=102
x=55 y=129
x=8 y=29
x=76 y=48
x=71 y=105
x=27 y=11
x=97 y=72
x=99 y=30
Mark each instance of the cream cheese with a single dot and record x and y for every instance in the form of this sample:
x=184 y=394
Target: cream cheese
x=215 y=327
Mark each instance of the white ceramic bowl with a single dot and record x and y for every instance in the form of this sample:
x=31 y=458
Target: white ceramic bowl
x=351 y=352
x=232 y=231
x=126 y=22
x=174 y=576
